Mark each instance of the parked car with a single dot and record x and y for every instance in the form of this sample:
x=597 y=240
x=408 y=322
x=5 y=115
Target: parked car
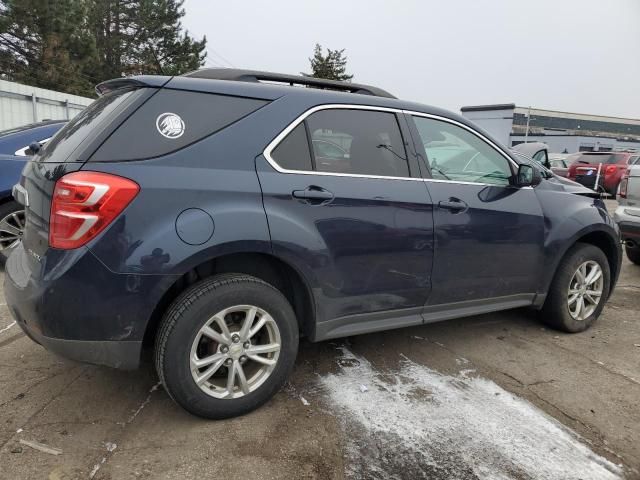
x=15 y=151
x=613 y=165
x=560 y=163
x=627 y=215
x=536 y=150
x=189 y=214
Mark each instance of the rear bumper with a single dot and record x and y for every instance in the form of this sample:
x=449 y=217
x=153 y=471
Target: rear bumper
x=610 y=183
x=122 y=355
x=74 y=306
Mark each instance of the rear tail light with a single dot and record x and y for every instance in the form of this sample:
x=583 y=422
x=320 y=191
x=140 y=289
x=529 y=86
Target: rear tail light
x=610 y=170
x=84 y=204
x=623 y=186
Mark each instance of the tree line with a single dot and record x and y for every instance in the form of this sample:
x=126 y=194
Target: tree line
x=71 y=45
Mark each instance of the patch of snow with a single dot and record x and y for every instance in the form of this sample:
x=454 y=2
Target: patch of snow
x=110 y=446
x=304 y=401
x=416 y=423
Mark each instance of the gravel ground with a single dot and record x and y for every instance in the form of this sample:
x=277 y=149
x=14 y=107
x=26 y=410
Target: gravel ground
x=492 y=396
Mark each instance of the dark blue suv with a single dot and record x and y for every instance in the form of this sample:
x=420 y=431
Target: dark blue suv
x=218 y=217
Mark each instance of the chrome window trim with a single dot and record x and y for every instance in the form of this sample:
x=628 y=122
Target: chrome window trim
x=276 y=141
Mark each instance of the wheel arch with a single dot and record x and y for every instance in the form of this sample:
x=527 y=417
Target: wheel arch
x=601 y=236
x=264 y=266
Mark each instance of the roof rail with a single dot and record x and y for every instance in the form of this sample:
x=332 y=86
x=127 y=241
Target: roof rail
x=240 y=75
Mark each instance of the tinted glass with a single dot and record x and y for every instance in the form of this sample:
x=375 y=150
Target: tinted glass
x=600 y=158
x=454 y=153
x=62 y=146
x=186 y=116
x=358 y=142
x=540 y=156
x=293 y=152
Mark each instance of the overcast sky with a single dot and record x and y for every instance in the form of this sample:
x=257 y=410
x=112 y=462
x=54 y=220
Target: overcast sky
x=573 y=55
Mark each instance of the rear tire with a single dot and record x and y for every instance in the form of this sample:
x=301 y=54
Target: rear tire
x=206 y=323
x=633 y=254
x=11 y=218
x=572 y=287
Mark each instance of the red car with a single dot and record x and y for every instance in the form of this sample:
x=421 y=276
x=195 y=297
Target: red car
x=584 y=169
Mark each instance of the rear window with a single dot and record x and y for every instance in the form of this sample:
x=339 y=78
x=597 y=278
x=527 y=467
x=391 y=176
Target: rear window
x=172 y=120
x=62 y=147
x=599 y=158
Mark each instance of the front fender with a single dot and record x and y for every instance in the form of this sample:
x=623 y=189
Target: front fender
x=568 y=219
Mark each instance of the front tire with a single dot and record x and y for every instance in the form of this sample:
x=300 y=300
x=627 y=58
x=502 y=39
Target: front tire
x=226 y=346
x=633 y=253
x=579 y=289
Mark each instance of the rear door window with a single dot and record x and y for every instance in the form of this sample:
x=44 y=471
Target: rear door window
x=345 y=141
x=361 y=142
x=292 y=153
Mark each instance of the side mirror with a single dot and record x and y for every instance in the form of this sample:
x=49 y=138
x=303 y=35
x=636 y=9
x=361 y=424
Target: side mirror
x=34 y=148
x=528 y=176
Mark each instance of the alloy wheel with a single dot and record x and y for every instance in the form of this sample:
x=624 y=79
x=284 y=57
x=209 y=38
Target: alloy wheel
x=11 y=229
x=235 y=351
x=585 y=290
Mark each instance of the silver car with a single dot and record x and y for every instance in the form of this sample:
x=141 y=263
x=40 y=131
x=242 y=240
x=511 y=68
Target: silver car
x=627 y=215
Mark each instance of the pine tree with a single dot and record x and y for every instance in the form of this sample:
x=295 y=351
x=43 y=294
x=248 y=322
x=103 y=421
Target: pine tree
x=332 y=66
x=71 y=45
x=46 y=44
x=159 y=44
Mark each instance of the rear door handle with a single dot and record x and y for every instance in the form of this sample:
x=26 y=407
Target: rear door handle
x=454 y=204
x=313 y=194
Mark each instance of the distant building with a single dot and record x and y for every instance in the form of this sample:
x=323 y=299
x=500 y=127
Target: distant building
x=22 y=104
x=564 y=132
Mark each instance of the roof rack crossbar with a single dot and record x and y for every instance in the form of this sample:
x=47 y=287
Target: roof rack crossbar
x=241 y=75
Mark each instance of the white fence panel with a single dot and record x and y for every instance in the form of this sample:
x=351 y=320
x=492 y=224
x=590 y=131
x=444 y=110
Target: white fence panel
x=22 y=104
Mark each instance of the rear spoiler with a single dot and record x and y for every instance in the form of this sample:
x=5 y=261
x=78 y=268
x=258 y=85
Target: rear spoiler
x=153 y=81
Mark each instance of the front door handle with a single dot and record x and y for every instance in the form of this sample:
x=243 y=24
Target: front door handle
x=313 y=194
x=455 y=205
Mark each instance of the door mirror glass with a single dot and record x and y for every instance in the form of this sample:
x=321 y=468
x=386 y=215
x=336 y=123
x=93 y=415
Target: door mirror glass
x=528 y=175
